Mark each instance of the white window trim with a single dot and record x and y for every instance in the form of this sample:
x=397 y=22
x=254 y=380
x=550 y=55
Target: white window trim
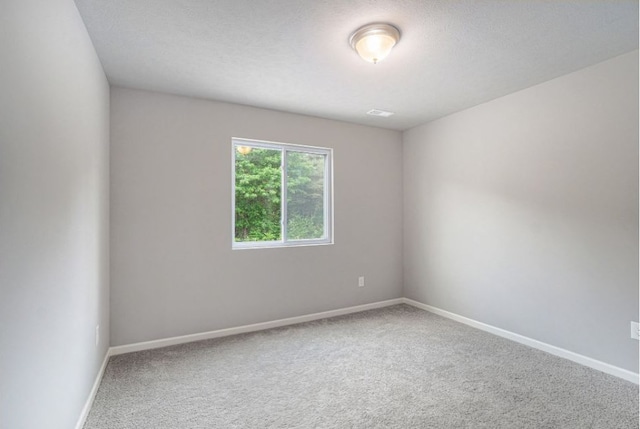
x=328 y=195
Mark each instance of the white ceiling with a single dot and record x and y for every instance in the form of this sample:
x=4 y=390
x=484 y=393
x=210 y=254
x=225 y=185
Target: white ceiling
x=294 y=55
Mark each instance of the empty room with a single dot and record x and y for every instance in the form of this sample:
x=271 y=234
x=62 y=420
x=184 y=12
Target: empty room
x=319 y=214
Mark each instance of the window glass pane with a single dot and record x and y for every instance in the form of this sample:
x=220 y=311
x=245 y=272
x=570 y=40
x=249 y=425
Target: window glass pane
x=258 y=194
x=305 y=195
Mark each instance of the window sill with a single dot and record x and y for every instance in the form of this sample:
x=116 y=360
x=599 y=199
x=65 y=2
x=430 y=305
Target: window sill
x=246 y=245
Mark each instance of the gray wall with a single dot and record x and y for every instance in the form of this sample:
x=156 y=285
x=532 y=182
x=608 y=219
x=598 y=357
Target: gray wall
x=173 y=271
x=54 y=133
x=523 y=212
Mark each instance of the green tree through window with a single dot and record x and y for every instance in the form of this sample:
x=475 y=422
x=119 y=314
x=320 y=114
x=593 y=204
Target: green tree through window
x=261 y=171
x=258 y=194
x=305 y=195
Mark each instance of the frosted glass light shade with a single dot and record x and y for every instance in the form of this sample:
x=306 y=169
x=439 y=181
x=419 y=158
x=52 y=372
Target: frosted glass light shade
x=373 y=42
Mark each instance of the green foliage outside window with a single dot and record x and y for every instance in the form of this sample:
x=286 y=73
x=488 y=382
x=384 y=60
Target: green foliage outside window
x=258 y=195
x=305 y=195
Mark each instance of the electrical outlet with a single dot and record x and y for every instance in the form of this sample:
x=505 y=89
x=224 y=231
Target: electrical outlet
x=97 y=335
x=361 y=281
x=635 y=330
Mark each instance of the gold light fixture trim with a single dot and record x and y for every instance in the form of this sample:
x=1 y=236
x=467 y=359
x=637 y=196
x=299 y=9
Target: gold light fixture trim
x=373 y=42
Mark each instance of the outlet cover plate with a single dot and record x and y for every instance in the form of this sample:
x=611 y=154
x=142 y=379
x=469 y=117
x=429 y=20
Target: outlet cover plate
x=635 y=330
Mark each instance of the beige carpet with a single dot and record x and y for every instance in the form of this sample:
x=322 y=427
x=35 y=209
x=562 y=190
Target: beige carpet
x=397 y=367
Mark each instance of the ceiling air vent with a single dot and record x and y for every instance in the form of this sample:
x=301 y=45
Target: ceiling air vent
x=378 y=112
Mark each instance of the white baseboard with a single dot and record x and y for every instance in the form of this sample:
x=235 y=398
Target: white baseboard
x=557 y=351
x=92 y=393
x=147 y=345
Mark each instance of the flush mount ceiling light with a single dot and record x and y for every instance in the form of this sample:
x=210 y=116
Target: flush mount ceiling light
x=373 y=42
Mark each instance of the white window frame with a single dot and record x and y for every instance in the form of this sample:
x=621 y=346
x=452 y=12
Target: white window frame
x=328 y=194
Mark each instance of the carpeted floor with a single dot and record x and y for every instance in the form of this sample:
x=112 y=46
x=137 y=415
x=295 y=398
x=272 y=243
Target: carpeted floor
x=397 y=367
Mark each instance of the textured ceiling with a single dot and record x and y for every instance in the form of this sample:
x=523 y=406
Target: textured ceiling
x=294 y=55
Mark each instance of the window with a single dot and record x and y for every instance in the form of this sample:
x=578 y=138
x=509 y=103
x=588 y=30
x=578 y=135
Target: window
x=281 y=194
